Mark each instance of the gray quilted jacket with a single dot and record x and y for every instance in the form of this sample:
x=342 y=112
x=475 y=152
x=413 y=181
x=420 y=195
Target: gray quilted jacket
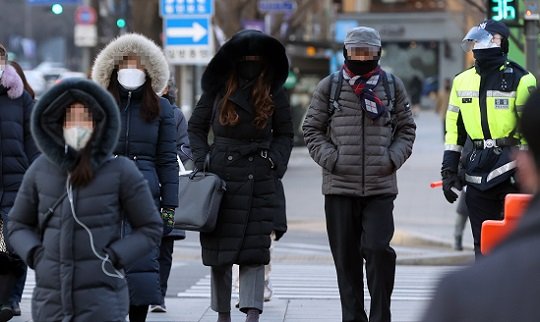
x=359 y=156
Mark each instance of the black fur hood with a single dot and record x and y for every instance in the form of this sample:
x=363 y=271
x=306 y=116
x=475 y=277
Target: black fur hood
x=48 y=118
x=246 y=42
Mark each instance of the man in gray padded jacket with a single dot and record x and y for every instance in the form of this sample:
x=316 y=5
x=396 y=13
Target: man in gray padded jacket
x=359 y=128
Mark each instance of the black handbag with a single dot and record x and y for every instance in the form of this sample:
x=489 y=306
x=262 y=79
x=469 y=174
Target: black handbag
x=199 y=199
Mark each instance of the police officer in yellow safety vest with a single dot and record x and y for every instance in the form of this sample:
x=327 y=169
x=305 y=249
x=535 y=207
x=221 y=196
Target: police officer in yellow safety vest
x=485 y=104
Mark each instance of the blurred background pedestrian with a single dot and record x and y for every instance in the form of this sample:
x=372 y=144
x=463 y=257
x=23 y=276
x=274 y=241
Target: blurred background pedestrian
x=17 y=151
x=183 y=151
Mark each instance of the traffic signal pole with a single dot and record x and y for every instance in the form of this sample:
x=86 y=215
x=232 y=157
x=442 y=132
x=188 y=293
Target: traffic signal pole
x=531 y=43
x=86 y=55
x=531 y=18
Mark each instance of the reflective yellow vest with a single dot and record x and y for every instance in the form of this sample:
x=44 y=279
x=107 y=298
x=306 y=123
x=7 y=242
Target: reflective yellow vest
x=503 y=105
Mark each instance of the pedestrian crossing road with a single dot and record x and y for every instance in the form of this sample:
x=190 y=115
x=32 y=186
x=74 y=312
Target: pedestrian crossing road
x=319 y=282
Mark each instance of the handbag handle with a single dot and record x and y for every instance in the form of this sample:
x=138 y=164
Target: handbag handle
x=182 y=168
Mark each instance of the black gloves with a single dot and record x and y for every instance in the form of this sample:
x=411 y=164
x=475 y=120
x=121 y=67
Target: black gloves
x=450 y=180
x=449 y=174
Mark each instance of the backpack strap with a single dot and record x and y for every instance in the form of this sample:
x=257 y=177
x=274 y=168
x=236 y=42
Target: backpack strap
x=336 y=81
x=390 y=90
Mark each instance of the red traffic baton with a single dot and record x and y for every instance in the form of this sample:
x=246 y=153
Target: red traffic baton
x=436 y=184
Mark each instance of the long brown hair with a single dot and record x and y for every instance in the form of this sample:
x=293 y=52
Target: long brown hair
x=82 y=173
x=260 y=96
x=150 y=108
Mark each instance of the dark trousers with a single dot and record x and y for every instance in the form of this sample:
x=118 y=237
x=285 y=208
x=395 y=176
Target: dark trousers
x=360 y=228
x=486 y=205
x=165 y=262
x=16 y=293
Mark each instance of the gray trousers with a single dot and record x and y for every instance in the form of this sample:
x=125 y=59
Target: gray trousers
x=251 y=290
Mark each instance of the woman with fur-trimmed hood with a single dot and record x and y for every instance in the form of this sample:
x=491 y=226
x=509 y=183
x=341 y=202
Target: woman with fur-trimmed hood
x=245 y=106
x=134 y=70
x=77 y=250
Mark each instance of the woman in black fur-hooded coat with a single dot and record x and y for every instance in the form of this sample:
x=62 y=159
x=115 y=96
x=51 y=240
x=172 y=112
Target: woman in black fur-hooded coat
x=244 y=105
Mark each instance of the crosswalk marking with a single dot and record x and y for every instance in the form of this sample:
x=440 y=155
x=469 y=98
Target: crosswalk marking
x=319 y=282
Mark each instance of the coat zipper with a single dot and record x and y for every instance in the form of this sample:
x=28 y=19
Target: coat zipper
x=127 y=123
x=363 y=153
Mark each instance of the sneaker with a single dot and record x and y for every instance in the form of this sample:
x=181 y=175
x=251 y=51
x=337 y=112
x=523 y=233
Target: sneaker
x=158 y=308
x=6 y=313
x=16 y=309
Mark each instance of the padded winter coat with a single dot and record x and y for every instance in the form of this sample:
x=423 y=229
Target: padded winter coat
x=17 y=148
x=151 y=145
x=71 y=284
x=359 y=156
x=238 y=155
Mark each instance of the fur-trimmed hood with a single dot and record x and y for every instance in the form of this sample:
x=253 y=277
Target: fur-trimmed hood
x=12 y=82
x=246 y=42
x=48 y=119
x=150 y=55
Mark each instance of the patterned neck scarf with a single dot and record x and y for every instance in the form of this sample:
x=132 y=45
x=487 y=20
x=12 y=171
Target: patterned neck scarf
x=363 y=86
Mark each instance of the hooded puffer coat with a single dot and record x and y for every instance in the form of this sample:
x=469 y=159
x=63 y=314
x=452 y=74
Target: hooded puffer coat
x=152 y=145
x=71 y=284
x=244 y=223
x=17 y=146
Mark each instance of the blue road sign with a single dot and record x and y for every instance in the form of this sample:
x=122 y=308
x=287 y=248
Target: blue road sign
x=277 y=6
x=181 y=31
x=186 y=7
x=51 y=2
x=342 y=27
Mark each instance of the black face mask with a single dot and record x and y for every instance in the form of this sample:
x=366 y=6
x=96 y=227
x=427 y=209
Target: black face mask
x=249 y=70
x=361 y=67
x=488 y=59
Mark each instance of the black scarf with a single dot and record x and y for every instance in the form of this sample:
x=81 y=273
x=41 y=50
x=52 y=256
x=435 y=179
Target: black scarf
x=488 y=60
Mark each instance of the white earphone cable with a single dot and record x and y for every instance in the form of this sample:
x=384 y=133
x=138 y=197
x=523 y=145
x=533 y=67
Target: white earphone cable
x=104 y=259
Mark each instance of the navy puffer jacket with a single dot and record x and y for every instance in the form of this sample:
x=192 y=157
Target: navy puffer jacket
x=17 y=146
x=70 y=282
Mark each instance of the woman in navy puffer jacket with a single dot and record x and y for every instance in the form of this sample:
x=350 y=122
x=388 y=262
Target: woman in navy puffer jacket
x=134 y=70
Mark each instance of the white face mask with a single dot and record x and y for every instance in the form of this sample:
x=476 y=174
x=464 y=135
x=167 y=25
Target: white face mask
x=77 y=137
x=131 y=78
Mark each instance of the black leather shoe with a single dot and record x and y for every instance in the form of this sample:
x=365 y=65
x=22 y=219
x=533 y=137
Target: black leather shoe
x=16 y=309
x=6 y=313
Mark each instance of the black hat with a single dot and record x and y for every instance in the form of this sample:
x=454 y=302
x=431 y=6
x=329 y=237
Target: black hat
x=495 y=27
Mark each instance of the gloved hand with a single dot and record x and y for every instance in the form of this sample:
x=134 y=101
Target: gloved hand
x=450 y=180
x=167 y=215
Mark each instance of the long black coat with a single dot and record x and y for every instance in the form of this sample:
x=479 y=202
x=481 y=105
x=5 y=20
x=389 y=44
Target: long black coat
x=252 y=199
x=70 y=283
x=245 y=220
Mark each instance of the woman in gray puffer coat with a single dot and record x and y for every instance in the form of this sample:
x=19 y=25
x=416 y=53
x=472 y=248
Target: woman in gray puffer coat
x=78 y=251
